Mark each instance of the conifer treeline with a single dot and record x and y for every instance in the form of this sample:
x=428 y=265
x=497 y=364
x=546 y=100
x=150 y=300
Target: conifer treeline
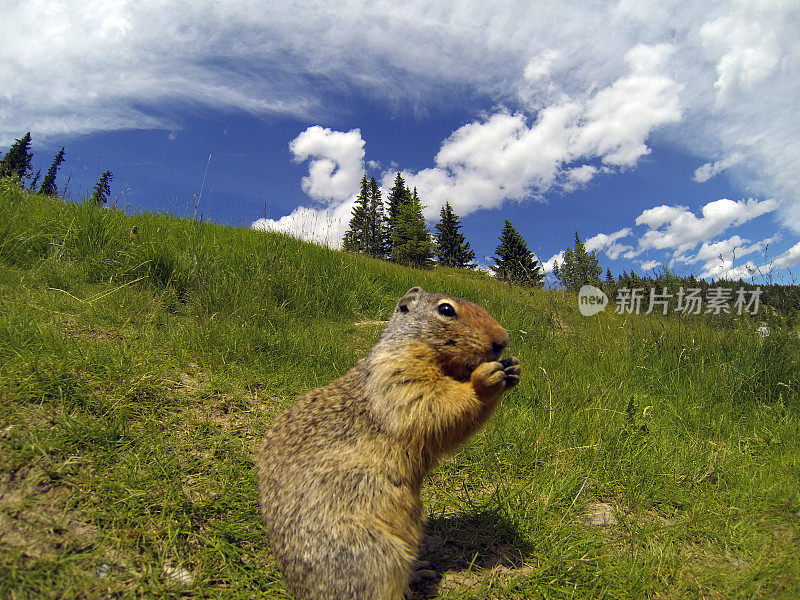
x=397 y=232
x=17 y=163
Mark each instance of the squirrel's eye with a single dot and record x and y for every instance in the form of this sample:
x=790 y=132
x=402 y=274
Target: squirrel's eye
x=446 y=310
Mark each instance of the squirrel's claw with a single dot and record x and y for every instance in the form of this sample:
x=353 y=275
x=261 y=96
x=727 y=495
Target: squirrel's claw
x=422 y=570
x=512 y=370
x=495 y=377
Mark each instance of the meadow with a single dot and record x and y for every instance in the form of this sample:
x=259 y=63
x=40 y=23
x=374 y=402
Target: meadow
x=142 y=357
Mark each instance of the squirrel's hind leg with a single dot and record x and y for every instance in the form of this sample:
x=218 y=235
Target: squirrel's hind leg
x=351 y=562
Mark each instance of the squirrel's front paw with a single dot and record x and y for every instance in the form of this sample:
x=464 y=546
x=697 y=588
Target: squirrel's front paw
x=512 y=370
x=494 y=377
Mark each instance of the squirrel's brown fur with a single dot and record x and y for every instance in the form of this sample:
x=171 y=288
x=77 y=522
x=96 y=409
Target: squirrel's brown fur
x=340 y=472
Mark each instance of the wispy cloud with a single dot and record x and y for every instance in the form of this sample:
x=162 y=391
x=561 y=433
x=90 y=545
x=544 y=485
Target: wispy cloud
x=724 y=267
x=649 y=265
x=711 y=169
x=609 y=243
x=678 y=229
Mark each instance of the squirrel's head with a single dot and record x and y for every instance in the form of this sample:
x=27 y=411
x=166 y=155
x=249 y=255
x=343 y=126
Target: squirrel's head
x=461 y=334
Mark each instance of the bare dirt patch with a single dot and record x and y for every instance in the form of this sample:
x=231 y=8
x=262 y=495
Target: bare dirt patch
x=370 y=323
x=35 y=518
x=190 y=380
x=600 y=514
x=93 y=334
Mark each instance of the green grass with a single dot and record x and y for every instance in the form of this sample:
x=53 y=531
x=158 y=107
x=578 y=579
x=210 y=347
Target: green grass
x=139 y=371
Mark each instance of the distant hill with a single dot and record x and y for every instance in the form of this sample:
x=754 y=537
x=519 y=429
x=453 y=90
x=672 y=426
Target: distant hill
x=142 y=357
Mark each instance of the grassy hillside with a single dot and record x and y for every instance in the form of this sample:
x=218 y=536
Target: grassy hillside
x=142 y=358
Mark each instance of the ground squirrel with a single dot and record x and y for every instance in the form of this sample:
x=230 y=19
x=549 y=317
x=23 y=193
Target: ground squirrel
x=340 y=472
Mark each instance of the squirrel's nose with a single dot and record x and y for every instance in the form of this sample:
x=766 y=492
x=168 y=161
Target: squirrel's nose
x=499 y=343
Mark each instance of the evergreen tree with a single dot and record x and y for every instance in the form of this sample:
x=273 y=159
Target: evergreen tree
x=367 y=232
x=514 y=262
x=355 y=239
x=376 y=227
x=578 y=267
x=102 y=189
x=49 y=181
x=398 y=197
x=452 y=250
x=17 y=163
x=411 y=239
x=610 y=284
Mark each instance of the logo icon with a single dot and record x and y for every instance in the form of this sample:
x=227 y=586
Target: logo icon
x=591 y=300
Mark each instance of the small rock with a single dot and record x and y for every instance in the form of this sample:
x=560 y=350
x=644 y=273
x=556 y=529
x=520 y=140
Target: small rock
x=601 y=514
x=178 y=575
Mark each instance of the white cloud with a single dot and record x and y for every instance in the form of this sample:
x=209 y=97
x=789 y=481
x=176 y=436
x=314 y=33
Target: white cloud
x=650 y=264
x=582 y=174
x=753 y=47
x=788 y=259
x=325 y=226
x=748 y=270
x=734 y=246
x=748 y=47
x=547 y=266
x=503 y=157
x=337 y=162
x=719 y=257
x=609 y=244
x=540 y=67
x=678 y=229
x=705 y=172
x=724 y=268
x=335 y=168
x=619 y=118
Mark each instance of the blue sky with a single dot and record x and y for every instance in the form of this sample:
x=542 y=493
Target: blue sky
x=665 y=134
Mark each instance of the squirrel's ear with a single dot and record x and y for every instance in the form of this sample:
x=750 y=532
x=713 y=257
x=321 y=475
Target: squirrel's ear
x=405 y=302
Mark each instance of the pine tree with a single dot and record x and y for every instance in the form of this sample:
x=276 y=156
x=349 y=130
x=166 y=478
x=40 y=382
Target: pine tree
x=578 y=267
x=398 y=197
x=376 y=227
x=17 y=163
x=355 y=239
x=49 y=181
x=610 y=284
x=452 y=250
x=102 y=189
x=411 y=239
x=367 y=231
x=514 y=262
